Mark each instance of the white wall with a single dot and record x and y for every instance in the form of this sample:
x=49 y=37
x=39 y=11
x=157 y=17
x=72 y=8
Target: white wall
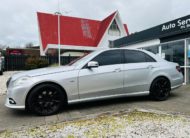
x=104 y=43
x=107 y=38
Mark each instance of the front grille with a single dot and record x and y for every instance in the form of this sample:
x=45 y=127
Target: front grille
x=8 y=82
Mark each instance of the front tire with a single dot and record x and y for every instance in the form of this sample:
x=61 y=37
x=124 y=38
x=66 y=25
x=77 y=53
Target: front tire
x=46 y=99
x=160 y=89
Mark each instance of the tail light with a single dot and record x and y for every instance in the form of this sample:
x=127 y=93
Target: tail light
x=178 y=68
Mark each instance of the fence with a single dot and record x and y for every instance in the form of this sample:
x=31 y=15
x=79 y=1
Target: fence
x=18 y=62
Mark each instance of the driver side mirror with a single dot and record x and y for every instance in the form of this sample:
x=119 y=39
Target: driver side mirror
x=92 y=64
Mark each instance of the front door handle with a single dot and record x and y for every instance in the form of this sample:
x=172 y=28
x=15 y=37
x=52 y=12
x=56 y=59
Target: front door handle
x=117 y=70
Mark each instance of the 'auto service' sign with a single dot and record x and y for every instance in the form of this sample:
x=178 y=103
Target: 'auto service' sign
x=177 y=25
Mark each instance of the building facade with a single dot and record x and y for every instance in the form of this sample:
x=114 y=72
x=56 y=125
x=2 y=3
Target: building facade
x=78 y=34
x=170 y=40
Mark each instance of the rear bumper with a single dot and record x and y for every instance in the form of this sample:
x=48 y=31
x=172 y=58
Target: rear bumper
x=177 y=82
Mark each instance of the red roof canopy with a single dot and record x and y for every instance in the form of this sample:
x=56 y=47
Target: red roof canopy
x=74 y=31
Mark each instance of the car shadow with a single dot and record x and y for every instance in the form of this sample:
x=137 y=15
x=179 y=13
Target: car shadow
x=115 y=102
x=107 y=102
x=21 y=113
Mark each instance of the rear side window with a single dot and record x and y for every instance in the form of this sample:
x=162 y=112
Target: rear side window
x=149 y=58
x=110 y=57
x=132 y=56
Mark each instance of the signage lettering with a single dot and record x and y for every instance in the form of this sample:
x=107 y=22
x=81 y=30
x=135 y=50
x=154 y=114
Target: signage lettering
x=167 y=27
x=179 y=24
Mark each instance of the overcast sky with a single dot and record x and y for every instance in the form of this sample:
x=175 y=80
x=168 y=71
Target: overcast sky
x=18 y=20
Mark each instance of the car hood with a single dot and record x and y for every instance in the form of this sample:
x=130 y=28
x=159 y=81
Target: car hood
x=42 y=71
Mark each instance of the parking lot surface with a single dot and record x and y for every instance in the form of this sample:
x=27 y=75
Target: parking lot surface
x=178 y=103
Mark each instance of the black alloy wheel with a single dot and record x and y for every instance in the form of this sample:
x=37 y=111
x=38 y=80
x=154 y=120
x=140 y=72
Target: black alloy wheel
x=46 y=99
x=160 y=89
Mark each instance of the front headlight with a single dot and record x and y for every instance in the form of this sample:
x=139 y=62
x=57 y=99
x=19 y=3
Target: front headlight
x=21 y=81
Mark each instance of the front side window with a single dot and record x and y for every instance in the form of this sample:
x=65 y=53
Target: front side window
x=132 y=56
x=110 y=57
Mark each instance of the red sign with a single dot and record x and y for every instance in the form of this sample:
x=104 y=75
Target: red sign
x=14 y=52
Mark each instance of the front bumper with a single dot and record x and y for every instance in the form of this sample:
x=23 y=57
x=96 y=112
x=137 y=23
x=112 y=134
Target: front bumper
x=16 y=97
x=7 y=104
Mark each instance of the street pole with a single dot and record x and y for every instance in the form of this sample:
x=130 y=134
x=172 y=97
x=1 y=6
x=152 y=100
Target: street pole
x=59 y=31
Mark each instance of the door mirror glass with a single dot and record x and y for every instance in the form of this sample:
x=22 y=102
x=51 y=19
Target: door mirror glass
x=92 y=64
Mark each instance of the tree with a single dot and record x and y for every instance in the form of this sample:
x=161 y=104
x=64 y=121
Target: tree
x=29 y=45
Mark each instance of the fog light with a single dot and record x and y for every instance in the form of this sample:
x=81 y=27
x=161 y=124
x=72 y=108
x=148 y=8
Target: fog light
x=11 y=101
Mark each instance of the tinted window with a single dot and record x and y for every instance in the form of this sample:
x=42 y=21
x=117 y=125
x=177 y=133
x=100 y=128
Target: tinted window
x=137 y=57
x=149 y=58
x=110 y=57
x=153 y=49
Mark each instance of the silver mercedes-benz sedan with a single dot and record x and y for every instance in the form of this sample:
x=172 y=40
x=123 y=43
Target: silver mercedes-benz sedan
x=99 y=75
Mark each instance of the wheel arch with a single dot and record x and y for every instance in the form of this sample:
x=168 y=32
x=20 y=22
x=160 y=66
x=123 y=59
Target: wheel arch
x=160 y=76
x=48 y=82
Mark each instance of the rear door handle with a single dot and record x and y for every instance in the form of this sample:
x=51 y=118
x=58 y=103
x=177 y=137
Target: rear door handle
x=117 y=70
x=150 y=67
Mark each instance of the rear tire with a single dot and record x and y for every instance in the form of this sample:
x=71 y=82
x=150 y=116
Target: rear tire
x=160 y=89
x=46 y=99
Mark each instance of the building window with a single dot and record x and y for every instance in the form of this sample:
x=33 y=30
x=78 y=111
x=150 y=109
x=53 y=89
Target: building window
x=188 y=62
x=111 y=44
x=174 y=52
x=114 y=29
x=153 y=49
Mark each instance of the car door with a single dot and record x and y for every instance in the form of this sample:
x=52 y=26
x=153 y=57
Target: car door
x=104 y=80
x=138 y=69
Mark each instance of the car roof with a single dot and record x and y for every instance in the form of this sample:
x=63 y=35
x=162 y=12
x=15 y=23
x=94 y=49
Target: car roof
x=156 y=57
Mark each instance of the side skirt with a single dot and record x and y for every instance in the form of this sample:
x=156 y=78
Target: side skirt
x=177 y=86
x=109 y=97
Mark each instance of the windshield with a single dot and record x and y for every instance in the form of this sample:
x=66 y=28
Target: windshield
x=81 y=59
x=77 y=59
